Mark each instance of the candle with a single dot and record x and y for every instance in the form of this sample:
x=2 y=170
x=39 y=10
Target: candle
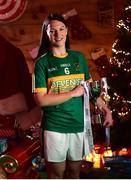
x=97 y=161
x=108 y=153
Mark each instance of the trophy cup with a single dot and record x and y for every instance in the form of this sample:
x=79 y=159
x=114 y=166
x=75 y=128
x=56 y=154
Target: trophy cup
x=95 y=88
x=95 y=91
x=106 y=97
x=99 y=88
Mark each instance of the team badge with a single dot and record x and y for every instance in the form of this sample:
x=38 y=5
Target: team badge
x=77 y=66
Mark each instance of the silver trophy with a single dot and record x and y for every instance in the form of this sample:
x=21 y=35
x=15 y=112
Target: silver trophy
x=106 y=97
x=100 y=88
x=95 y=92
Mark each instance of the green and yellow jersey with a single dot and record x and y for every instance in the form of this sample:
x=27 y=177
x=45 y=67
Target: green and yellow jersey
x=58 y=75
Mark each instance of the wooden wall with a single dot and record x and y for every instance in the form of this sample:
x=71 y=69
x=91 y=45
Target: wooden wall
x=25 y=31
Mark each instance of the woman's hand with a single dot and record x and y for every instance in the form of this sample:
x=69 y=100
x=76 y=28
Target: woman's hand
x=77 y=91
x=107 y=113
x=108 y=119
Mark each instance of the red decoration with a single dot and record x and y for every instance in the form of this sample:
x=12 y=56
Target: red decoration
x=10 y=10
x=7 y=126
x=16 y=161
x=77 y=29
x=101 y=61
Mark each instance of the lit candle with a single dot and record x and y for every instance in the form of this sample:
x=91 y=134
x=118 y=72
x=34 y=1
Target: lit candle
x=108 y=153
x=97 y=161
x=89 y=157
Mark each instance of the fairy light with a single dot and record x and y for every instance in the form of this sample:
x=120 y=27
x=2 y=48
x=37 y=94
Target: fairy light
x=116 y=97
x=128 y=101
x=123 y=114
x=115 y=61
x=121 y=59
x=120 y=51
x=127 y=8
x=122 y=24
x=128 y=21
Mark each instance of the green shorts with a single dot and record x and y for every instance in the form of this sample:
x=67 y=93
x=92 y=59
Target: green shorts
x=61 y=146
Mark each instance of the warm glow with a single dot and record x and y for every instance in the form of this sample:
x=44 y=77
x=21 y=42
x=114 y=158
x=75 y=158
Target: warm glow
x=89 y=157
x=123 y=152
x=98 y=155
x=97 y=161
x=95 y=158
x=108 y=153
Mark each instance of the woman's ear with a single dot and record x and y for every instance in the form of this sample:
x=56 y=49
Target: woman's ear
x=67 y=30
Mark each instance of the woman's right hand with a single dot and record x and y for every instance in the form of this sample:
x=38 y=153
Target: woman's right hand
x=77 y=91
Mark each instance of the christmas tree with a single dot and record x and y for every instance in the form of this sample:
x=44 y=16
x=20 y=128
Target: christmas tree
x=119 y=81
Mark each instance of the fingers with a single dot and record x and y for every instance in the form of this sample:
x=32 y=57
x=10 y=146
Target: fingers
x=78 y=91
x=108 y=123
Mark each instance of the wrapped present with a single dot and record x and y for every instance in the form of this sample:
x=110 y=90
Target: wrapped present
x=118 y=164
x=20 y=157
x=7 y=126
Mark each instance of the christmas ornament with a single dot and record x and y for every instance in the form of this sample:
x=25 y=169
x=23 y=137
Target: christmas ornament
x=101 y=61
x=39 y=163
x=9 y=164
x=11 y=10
x=3 y=145
x=77 y=29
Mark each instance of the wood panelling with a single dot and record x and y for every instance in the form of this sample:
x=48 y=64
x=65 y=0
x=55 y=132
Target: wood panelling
x=25 y=31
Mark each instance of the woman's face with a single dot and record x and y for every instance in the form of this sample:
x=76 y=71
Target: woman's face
x=57 y=32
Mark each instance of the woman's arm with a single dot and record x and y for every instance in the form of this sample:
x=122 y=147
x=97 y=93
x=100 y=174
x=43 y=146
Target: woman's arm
x=104 y=108
x=44 y=99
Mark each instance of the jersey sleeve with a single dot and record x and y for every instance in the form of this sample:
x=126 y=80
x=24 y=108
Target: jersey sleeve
x=40 y=84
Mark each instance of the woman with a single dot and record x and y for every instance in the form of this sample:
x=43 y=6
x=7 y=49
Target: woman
x=58 y=73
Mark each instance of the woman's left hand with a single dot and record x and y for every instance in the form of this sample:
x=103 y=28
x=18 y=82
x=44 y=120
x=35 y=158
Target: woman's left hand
x=107 y=113
x=108 y=119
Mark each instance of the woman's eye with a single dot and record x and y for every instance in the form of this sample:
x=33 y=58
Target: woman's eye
x=51 y=31
x=62 y=29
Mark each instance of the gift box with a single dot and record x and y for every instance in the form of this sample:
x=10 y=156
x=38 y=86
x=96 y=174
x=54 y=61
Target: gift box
x=16 y=162
x=119 y=165
x=7 y=126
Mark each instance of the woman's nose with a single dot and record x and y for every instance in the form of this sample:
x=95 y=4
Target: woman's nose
x=56 y=33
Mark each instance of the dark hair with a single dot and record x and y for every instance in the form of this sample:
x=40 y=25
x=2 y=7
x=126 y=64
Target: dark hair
x=44 y=41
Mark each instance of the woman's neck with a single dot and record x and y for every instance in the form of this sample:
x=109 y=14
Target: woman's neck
x=59 y=52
